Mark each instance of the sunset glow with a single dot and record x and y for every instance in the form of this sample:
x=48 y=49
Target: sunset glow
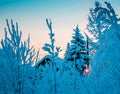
x=31 y=15
x=86 y=70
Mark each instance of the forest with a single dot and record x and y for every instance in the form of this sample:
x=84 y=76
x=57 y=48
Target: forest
x=91 y=65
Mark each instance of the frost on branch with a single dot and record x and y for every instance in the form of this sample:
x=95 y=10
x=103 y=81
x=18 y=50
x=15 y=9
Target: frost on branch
x=50 y=48
x=18 y=57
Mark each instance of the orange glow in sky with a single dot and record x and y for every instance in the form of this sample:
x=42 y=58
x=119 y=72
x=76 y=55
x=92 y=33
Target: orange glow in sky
x=64 y=14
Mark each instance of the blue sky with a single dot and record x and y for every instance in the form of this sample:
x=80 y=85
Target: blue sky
x=65 y=15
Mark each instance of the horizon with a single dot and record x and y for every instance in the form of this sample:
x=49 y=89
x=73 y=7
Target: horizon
x=65 y=16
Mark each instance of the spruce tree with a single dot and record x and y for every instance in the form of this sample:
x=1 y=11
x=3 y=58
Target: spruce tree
x=78 y=50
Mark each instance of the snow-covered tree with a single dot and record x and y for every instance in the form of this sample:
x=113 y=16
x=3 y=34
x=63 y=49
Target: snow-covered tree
x=100 y=19
x=77 y=50
x=50 y=48
x=76 y=62
x=105 y=63
x=17 y=59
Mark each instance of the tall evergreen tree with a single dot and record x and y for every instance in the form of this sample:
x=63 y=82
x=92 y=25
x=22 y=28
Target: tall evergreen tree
x=77 y=44
x=77 y=58
x=78 y=51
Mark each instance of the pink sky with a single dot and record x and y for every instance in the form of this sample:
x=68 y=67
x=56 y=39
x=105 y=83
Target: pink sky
x=31 y=15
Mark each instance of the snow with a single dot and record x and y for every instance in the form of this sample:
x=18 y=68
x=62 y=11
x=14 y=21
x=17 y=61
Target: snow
x=105 y=69
x=78 y=73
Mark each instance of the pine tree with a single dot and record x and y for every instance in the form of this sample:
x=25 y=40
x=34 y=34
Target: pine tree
x=77 y=50
x=77 y=44
x=76 y=62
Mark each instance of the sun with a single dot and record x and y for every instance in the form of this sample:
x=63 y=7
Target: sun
x=86 y=70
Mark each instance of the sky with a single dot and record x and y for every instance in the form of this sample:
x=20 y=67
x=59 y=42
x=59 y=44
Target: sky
x=64 y=14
